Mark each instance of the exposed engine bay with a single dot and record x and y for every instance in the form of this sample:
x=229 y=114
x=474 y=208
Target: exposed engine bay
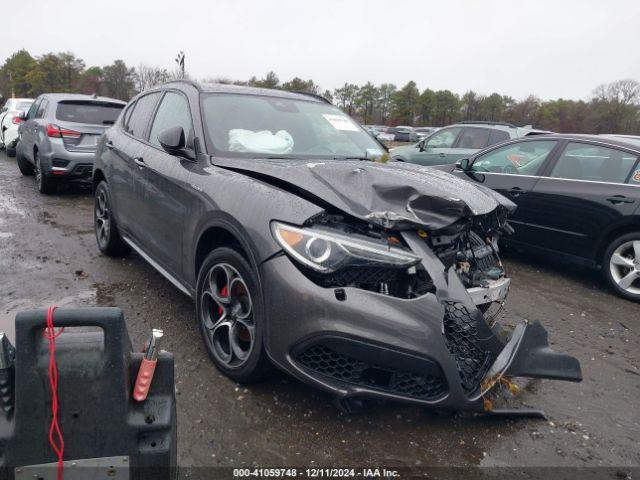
x=472 y=251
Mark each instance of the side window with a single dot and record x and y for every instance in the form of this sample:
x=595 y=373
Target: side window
x=172 y=112
x=581 y=161
x=141 y=114
x=42 y=108
x=127 y=116
x=523 y=158
x=443 y=138
x=33 y=109
x=497 y=136
x=474 y=138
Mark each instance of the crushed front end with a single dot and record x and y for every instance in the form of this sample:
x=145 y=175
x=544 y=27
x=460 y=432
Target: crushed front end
x=421 y=328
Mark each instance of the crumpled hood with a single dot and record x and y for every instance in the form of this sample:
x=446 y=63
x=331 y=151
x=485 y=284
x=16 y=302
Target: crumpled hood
x=397 y=195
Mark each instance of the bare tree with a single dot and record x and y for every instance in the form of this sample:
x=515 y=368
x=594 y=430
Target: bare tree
x=148 y=77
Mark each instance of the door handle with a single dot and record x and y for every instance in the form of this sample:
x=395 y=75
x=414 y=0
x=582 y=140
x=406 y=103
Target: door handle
x=618 y=199
x=516 y=192
x=442 y=155
x=140 y=162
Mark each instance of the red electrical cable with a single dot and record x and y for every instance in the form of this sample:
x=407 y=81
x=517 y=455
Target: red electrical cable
x=55 y=435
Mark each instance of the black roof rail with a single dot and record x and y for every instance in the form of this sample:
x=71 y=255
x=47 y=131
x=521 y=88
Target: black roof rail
x=194 y=84
x=486 y=122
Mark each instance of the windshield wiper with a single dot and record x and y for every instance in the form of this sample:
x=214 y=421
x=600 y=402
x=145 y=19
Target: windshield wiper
x=362 y=159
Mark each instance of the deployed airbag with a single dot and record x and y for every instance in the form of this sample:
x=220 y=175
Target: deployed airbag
x=260 y=142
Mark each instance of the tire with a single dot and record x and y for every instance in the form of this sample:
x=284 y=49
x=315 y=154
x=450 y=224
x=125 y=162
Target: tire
x=621 y=266
x=24 y=166
x=11 y=152
x=107 y=235
x=230 y=310
x=44 y=183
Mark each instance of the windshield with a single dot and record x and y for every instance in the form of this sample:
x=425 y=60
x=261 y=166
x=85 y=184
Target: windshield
x=252 y=126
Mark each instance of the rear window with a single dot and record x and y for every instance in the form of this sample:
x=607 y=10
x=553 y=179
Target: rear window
x=94 y=113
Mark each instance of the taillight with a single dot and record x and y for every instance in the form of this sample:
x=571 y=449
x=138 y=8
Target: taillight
x=57 y=132
x=17 y=120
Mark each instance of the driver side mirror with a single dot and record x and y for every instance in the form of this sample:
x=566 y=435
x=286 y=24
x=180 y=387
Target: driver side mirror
x=463 y=165
x=173 y=141
x=22 y=116
x=422 y=146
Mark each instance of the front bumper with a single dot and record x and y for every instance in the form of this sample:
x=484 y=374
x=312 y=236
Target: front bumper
x=433 y=350
x=495 y=291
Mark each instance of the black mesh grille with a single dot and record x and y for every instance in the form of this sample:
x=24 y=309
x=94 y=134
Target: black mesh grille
x=461 y=336
x=326 y=361
x=359 y=276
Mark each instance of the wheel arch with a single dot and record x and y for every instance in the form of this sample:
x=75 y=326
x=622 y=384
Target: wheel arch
x=98 y=176
x=221 y=231
x=630 y=226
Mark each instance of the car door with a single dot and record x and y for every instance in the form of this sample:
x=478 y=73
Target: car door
x=434 y=149
x=512 y=170
x=39 y=131
x=581 y=195
x=162 y=184
x=123 y=151
x=28 y=128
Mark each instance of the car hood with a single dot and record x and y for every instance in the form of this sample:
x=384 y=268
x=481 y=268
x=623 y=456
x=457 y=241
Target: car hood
x=395 y=195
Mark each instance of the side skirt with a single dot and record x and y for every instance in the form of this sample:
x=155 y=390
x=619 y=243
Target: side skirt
x=157 y=266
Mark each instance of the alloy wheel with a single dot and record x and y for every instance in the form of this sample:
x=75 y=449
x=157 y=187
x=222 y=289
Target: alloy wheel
x=625 y=266
x=103 y=218
x=227 y=315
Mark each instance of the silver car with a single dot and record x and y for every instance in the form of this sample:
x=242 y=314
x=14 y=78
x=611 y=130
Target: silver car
x=59 y=134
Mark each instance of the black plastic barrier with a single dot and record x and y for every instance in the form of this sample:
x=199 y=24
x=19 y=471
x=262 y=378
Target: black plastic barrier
x=98 y=416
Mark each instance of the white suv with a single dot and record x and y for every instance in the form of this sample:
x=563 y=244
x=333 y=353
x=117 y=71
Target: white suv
x=9 y=120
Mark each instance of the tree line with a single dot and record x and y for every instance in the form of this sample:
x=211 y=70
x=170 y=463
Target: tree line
x=612 y=108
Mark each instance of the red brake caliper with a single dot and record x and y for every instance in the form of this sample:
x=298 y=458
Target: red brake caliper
x=224 y=292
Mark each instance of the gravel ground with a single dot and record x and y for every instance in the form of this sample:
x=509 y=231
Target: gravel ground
x=48 y=255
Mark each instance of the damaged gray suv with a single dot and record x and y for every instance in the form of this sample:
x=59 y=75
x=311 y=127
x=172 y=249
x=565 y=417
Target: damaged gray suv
x=364 y=279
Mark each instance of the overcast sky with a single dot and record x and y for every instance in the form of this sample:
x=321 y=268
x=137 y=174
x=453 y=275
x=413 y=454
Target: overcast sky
x=559 y=48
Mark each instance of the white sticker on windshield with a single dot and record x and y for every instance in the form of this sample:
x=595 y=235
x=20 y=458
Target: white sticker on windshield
x=340 y=122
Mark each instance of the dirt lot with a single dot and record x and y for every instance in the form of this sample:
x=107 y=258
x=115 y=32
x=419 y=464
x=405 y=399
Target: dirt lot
x=48 y=255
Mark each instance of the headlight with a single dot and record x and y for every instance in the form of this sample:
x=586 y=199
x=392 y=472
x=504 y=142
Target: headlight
x=326 y=251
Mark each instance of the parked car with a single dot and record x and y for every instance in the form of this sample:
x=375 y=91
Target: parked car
x=461 y=140
x=578 y=197
x=364 y=279
x=59 y=134
x=424 y=132
x=386 y=136
x=403 y=134
x=9 y=121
